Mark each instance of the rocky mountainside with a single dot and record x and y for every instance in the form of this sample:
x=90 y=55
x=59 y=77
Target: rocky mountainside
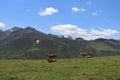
x=28 y=43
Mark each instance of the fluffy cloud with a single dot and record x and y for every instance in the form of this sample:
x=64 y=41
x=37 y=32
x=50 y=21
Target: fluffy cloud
x=74 y=31
x=103 y=33
x=2 y=24
x=75 y=9
x=48 y=11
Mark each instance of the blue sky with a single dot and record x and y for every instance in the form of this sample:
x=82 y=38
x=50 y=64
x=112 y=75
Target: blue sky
x=88 y=19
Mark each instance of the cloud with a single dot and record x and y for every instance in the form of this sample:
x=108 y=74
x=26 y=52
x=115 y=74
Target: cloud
x=88 y=3
x=103 y=33
x=105 y=19
x=48 y=11
x=2 y=24
x=27 y=10
x=75 y=32
x=96 y=13
x=75 y=9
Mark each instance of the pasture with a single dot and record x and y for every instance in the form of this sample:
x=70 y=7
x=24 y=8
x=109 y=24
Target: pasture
x=97 y=68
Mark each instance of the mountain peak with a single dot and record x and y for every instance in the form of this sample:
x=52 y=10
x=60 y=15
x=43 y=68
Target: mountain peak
x=100 y=39
x=29 y=28
x=15 y=29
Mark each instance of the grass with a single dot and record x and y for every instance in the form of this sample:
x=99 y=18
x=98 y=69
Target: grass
x=98 y=68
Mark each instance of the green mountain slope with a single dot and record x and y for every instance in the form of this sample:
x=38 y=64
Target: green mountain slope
x=101 y=46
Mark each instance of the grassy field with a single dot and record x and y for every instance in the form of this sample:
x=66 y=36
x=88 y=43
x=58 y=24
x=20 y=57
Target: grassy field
x=98 y=68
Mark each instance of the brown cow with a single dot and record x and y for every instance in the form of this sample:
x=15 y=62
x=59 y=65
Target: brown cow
x=51 y=58
x=87 y=55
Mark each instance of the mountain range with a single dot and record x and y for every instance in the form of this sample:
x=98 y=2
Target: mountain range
x=28 y=43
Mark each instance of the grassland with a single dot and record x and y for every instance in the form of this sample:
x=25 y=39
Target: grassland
x=98 y=68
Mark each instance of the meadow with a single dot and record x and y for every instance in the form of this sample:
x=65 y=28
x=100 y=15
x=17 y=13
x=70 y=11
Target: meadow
x=96 y=68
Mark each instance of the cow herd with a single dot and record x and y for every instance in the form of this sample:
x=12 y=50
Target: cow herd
x=52 y=57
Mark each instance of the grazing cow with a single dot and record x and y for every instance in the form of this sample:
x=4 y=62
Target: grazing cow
x=87 y=55
x=51 y=58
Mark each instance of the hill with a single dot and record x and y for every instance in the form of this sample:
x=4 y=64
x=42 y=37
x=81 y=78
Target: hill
x=98 y=68
x=28 y=43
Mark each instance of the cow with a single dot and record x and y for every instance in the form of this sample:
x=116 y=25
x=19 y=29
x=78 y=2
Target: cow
x=87 y=55
x=52 y=58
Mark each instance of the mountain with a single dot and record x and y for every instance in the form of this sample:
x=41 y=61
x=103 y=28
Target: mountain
x=28 y=43
x=2 y=34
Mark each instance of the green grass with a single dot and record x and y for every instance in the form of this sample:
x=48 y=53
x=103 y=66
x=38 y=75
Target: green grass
x=98 y=68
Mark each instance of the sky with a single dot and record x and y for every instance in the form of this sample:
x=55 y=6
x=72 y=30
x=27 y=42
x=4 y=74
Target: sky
x=88 y=19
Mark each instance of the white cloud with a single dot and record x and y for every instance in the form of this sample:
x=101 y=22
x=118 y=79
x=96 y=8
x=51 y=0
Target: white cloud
x=75 y=31
x=48 y=11
x=88 y=3
x=96 y=13
x=82 y=9
x=75 y=9
x=27 y=10
x=2 y=24
x=103 y=33
x=106 y=19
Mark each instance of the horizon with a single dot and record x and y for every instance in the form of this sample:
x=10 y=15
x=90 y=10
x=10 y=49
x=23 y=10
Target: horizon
x=87 y=19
